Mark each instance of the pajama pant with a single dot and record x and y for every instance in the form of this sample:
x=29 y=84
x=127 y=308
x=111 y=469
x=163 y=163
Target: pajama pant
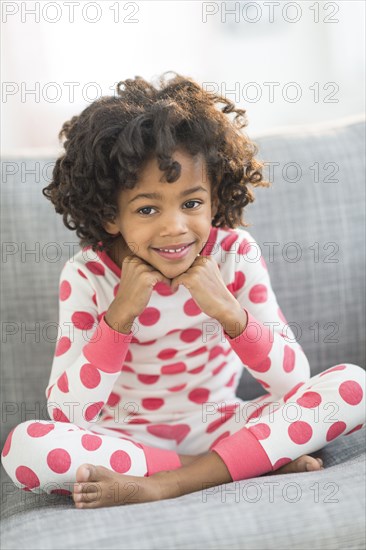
x=252 y=437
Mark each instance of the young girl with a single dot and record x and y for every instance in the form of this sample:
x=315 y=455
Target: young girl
x=164 y=305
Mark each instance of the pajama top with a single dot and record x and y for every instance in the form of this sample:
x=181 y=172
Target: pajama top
x=176 y=358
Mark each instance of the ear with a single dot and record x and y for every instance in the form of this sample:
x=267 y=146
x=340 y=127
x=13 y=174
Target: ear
x=111 y=228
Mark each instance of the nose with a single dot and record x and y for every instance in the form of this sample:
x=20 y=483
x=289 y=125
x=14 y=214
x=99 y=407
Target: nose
x=173 y=223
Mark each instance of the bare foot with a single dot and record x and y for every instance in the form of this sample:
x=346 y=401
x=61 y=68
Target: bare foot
x=304 y=463
x=103 y=487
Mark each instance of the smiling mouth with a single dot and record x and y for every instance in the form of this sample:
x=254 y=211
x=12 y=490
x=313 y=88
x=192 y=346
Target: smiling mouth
x=174 y=248
x=174 y=254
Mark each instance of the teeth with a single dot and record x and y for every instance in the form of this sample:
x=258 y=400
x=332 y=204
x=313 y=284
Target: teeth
x=169 y=250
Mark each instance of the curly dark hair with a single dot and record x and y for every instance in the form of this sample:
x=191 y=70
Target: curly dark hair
x=110 y=142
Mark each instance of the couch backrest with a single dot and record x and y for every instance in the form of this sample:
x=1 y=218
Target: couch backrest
x=310 y=225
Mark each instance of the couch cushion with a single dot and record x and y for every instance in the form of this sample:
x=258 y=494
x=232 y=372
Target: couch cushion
x=324 y=508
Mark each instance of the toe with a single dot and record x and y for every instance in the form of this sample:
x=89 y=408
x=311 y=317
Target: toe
x=85 y=473
x=86 y=498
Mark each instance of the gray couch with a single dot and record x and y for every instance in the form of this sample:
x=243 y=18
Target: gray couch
x=311 y=227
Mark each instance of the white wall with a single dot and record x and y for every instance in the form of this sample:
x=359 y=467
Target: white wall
x=226 y=52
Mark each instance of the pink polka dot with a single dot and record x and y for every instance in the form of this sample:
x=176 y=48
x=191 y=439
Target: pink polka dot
x=197 y=351
x=82 y=320
x=65 y=290
x=263 y=263
x=138 y=420
x=120 y=462
x=63 y=383
x=113 y=399
x=219 y=368
x=263 y=366
x=358 y=427
x=231 y=381
x=150 y=316
x=59 y=416
x=196 y=370
x=39 y=430
x=222 y=436
x=95 y=267
x=89 y=376
x=163 y=289
x=167 y=354
x=335 y=430
x=227 y=242
x=300 y=432
x=169 y=431
x=257 y=412
x=173 y=331
x=351 y=392
x=260 y=431
x=191 y=308
x=310 y=399
x=190 y=334
x=199 y=395
x=82 y=274
x=7 y=445
x=148 y=378
x=258 y=294
x=215 y=352
x=149 y=343
x=152 y=403
x=62 y=346
x=174 y=368
x=126 y=368
x=239 y=280
x=215 y=424
x=228 y=408
x=93 y=410
x=94 y=298
x=338 y=367
x=289 y=394
x=91 y=442
x=26 y=476
x=244 y=247
x=59 y=461
x=288 y=359
x=177 y=388
x=281 y=462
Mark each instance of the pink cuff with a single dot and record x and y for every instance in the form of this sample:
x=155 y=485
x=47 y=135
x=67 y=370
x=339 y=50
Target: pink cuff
x=243 y=455
x=254 y=343
x=107 y=347
x=158 y=460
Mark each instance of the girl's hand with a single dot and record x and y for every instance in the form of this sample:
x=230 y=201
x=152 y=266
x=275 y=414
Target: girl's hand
x=138 y=279
x=205 y=283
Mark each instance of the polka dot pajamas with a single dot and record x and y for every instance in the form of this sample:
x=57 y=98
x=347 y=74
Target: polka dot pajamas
x=132 y=402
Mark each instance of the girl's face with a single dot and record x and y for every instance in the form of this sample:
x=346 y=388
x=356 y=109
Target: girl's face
x=176 y=215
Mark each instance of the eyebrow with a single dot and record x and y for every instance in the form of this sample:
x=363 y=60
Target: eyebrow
x=159 y=196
